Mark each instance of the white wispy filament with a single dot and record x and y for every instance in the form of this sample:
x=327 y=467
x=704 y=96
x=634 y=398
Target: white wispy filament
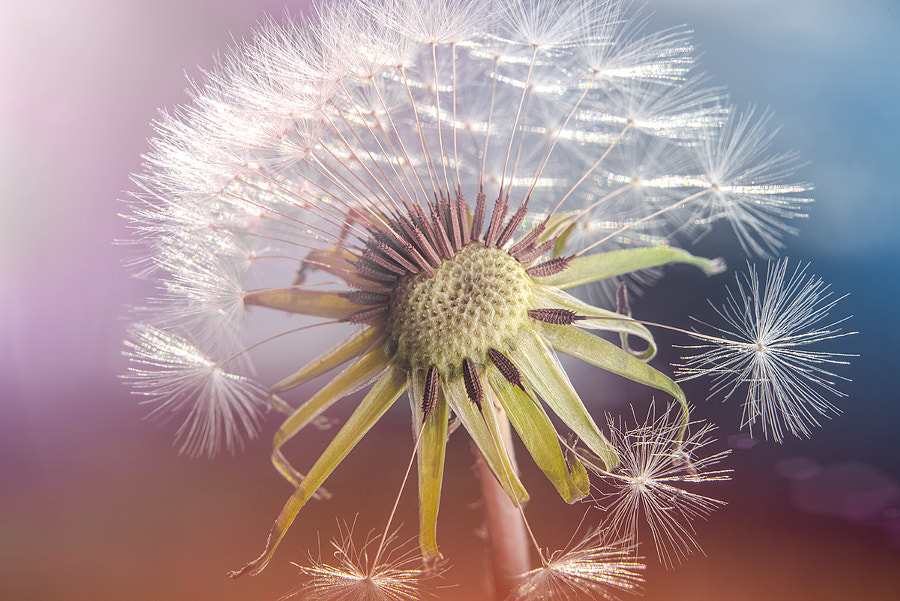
x=655 y=484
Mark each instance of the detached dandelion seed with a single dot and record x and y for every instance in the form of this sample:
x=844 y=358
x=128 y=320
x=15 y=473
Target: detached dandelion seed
x=590 y=568
x=353 y=576
x=656 y=480
x=767 y=347
x=222 y=407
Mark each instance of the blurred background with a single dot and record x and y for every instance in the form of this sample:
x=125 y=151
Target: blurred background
x=95 y=503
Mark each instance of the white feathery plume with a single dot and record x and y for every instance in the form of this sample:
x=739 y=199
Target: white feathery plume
x=548 y=24
x=352 y=575
x=432 y=21
x=204 y=288
x=221 y=408
x=655 y=479
x=746 y=183
x=767 y=347
x=593 y=568
x=617 y=50
x=687 y=112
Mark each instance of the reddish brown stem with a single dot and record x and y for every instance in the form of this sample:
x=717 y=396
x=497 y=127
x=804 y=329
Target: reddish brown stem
x=507 y=540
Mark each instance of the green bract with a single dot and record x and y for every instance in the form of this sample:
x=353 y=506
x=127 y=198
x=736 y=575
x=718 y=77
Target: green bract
x=475 y=337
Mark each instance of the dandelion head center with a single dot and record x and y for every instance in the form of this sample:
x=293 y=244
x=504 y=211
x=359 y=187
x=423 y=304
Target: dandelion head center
x=477 y=300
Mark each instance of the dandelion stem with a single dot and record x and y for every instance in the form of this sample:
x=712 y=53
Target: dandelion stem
x=654 y=324
x=437 y=105
x=271 y=338
x=429 y=160
x=381 y=148
x=559 y=132
x=487 y=131
x=591 y=168
x=406 y=160
x=453 y=85
x=515 y=124
x=605 y=198
x=506 y=532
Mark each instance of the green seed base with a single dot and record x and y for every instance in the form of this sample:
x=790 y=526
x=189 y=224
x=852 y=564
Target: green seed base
x=477 y=300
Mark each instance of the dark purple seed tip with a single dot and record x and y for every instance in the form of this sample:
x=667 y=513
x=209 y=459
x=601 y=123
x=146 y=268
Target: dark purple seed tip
x=367 y=315
x=558 y=317
x=506 y=367
x=622 y=306
x=549 y=267
x=431 y=390
x=472 y=382
x=365 y=297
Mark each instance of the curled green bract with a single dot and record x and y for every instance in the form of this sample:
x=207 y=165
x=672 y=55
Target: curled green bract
x=475 y=340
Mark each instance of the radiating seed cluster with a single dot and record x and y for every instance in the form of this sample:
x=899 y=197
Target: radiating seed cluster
x=477 y=300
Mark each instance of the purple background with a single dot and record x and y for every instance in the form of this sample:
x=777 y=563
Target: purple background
x=96 y=504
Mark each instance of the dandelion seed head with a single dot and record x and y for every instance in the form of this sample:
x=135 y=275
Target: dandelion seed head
x=436 y=320
x=444 y=166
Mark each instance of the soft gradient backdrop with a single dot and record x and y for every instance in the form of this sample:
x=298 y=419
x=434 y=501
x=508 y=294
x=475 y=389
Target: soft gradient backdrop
x=94 y=501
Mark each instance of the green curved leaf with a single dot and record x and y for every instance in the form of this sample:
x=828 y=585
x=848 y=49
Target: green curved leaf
x=482 y=426
x=431 y=454
x=356 y=344
x=303 y=302
x=600 y=266
x=542 y=371
x=356 y=375
x=539 y=436
x=382 y=395
x=606 y=355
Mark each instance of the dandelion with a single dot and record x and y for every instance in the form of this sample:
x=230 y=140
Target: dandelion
x=766 y=347
x=434 y=175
